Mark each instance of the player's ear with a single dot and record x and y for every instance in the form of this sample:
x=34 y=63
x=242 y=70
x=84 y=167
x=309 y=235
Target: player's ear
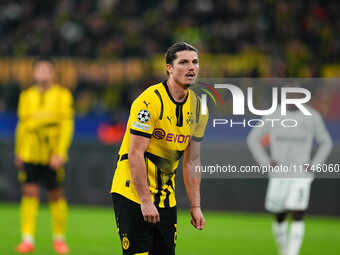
x=169 y=68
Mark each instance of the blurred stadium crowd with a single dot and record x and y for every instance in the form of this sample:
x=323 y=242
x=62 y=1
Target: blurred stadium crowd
x=116 y=28
x=287 y=39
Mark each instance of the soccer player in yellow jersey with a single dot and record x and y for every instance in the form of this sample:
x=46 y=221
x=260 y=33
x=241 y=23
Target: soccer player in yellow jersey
x=165 y=123
x=43 y=136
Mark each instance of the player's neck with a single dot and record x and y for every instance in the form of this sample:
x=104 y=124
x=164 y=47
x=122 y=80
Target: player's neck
x=177 y=91
x=44 y=86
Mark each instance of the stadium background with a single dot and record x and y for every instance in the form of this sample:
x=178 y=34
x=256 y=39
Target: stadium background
x=108 y=51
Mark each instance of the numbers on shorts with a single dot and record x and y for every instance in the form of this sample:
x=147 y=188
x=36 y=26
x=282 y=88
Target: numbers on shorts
x=300 y=195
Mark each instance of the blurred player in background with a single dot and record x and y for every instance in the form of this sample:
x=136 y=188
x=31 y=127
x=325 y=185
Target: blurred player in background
x=165 y=122
x=43 y=136
x=290 y=146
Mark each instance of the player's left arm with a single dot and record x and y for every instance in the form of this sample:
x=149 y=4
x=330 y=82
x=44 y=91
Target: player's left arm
x=66 y=131
x=192 y=178
x=192 y=181
x=323 y=139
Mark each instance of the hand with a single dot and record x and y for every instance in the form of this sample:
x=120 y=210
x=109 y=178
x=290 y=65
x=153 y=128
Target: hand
x=150 y=212
x=197 y=218
x=19 y=163
x=56 y=162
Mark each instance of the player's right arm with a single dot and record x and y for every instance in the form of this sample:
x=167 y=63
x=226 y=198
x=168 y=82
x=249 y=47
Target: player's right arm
x=138 y=146
x=20 y=131
x=255 y=146
x=144 y=114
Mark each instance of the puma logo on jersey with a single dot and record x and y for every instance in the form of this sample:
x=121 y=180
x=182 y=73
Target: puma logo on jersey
x=146 y=104
x=169 y=118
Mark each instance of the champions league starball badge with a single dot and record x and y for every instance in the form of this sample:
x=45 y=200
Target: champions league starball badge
x=143 y=116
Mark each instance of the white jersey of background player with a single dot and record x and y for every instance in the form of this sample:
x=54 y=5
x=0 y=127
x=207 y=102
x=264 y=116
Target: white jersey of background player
x=290 y=146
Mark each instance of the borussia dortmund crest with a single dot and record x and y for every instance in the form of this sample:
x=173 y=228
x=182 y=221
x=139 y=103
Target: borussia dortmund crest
x=125 y=243
x=190 y=118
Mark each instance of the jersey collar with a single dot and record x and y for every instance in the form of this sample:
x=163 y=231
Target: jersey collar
x=170 y=96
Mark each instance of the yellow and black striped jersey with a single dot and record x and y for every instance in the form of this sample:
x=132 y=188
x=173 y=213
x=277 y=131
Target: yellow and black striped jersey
x=170 y=125
x=45 y=125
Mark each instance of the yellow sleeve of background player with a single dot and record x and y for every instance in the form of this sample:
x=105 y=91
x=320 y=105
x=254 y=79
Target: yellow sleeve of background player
x=66 y=124
x=20 y=129
x=144 y=114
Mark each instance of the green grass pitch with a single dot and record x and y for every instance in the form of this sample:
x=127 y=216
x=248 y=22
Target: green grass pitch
x=91 y=230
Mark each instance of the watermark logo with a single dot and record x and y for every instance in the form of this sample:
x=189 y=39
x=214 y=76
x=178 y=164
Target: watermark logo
x=273 y=100
x=239 y=100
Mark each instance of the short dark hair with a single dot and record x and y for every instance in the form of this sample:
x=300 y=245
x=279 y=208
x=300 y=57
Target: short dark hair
x=39 y=59
x=170 y=55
